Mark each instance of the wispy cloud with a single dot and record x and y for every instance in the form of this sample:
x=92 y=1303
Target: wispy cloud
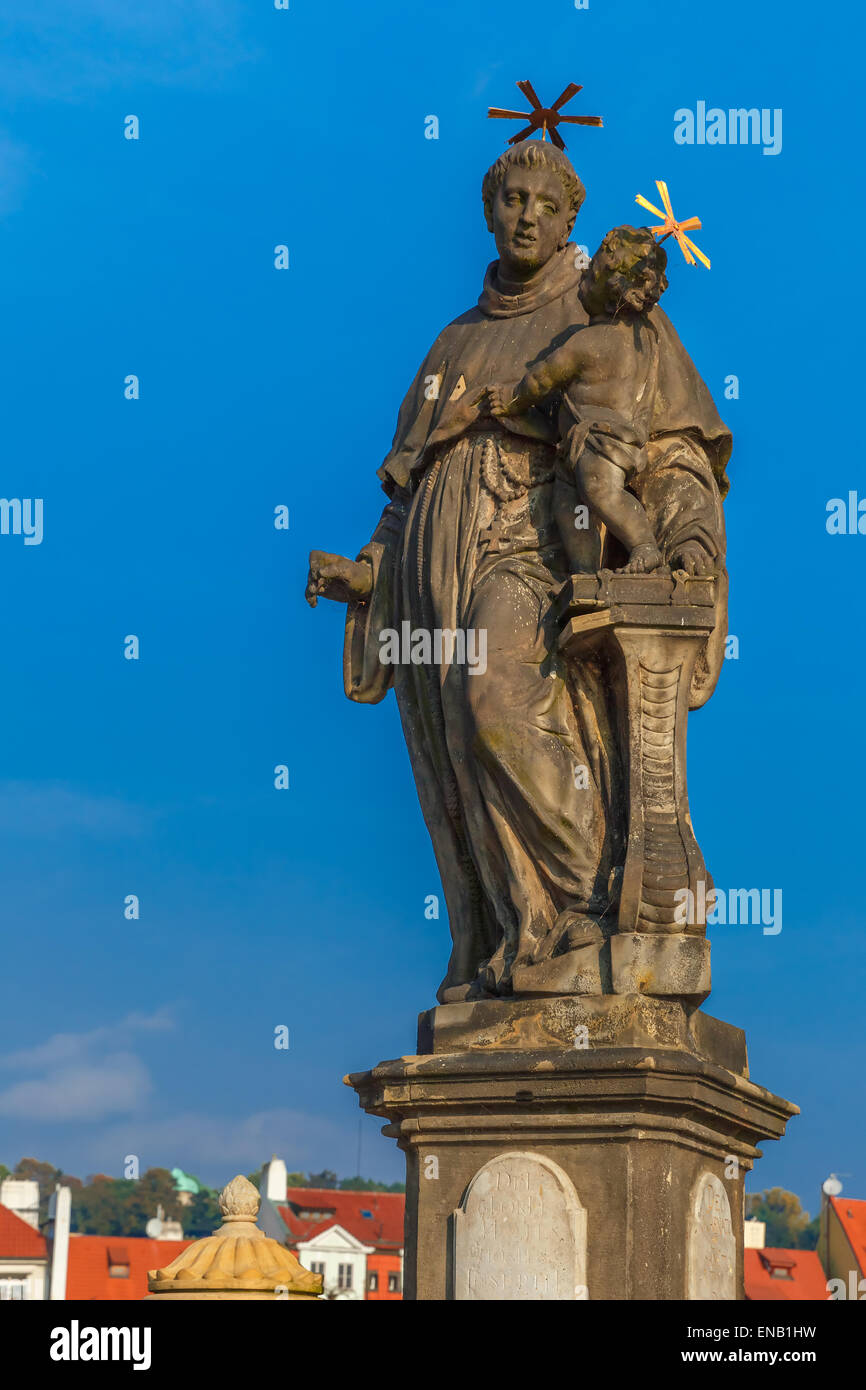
x=225 y=1144
x=82 y=1076
x=113 y=1085
x=97 y=1075
x=75 y=1047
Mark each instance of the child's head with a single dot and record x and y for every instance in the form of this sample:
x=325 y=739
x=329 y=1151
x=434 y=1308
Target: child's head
x=626 y=275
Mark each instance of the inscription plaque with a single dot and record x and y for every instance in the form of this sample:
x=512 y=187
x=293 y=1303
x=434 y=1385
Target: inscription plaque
x=712 y=1257
x=519 y=1233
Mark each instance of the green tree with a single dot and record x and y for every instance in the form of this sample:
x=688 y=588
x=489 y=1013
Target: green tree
x=788 y=1225
x=324 y=1179
x=107 y=1206
x=99 y=1208
x=369 y=1185
x=202 y=1216
x=155 y=1188
x=47 y=1176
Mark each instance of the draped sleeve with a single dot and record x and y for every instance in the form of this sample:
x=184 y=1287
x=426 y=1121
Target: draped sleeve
x=365 y=678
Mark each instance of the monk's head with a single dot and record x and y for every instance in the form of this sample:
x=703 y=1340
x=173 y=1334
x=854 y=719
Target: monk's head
x=626 y=276
x=531 y=197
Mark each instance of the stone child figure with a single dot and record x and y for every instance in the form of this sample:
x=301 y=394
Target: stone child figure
x=603 y=371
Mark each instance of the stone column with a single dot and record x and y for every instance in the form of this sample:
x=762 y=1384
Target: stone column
x=237 y=1262
x=574 y=1148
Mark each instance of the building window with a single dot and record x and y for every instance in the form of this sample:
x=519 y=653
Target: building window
x=344 y=1276
x=12 y=1289
x=373 y=1282
x=394 y=1283
x=779 y=1266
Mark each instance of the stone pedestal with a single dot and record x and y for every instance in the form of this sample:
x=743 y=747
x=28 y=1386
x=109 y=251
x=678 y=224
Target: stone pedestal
x=574 y=1148
x=651 y=630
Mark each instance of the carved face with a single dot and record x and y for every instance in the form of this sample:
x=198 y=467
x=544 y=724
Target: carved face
x=531 y=219
x=612 y=290
x=626 y=274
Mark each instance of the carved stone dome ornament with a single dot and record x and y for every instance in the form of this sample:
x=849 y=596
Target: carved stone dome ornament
x=237 y=1262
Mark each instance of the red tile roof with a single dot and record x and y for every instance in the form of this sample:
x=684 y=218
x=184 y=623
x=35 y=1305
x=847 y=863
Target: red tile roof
x=91 y=1256
x=383 y=1228
x=18 y=1240
x=852 y=1217
x=807 y=1282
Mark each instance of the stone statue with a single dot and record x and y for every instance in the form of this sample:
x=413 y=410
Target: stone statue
x=546 y=593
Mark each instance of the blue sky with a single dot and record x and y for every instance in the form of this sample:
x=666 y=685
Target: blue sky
x=260 y=387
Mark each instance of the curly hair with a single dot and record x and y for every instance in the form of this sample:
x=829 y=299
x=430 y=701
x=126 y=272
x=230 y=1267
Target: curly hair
x=629 y=262
x=532 y=154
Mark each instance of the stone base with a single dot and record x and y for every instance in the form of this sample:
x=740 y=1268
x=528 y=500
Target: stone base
x=609 y=1020
x=662 y=964
x=574 y=1148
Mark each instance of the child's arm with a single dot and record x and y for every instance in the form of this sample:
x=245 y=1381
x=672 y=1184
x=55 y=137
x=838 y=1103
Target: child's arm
x=546 y=376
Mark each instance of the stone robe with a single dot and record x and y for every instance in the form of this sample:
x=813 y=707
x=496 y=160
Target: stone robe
x=517 y=769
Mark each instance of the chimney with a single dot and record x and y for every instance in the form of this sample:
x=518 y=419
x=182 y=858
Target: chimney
x=755 y=1233
x=59 y=1220
x=274 y=1180
x=21 y=1195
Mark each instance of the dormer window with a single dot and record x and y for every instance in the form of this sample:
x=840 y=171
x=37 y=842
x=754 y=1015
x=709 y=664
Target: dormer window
x=778 y=1266
x=313 y=1213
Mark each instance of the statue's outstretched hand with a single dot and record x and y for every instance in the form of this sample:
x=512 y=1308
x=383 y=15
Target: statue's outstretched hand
x=335 y=577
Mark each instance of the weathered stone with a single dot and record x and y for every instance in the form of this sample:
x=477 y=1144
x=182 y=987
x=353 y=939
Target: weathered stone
x=653 y=963
x=573 y=1021
x=652 y=630
x=553 y=780
x=573 y=972
x=519 y=1233
x=712 y=1248
x=634 y=1126
x=552 y=774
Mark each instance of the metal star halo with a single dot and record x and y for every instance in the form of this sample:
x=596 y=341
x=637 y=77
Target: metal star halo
x=543 y=118
x=671 y=227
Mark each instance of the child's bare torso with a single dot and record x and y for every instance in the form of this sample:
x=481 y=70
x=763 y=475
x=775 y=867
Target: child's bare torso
x=605 y=364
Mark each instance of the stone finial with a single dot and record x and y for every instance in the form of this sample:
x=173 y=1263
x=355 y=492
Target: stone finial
x=237 y=1262
x=239 y=1200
